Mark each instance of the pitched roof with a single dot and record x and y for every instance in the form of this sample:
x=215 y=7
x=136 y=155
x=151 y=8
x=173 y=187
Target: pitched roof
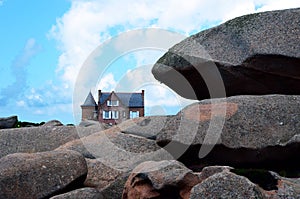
x=128 y=99
x=89 y=101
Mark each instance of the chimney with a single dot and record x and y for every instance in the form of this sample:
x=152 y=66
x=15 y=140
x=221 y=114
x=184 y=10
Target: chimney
x=99 y=96
x=143 y=97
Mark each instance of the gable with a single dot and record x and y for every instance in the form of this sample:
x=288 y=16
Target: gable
x=127 y=99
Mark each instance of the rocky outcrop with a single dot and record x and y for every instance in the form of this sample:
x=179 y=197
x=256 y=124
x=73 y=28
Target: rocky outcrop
x=8 y=122
x=109 y=181
x=40 y=175
x=254 y=54
x=115 y=189
x=211 y=170
x=164 y=179
x=83 y=193
x=242 y=131
x=52 y=123
x=38 y=139
x=225 y=185
x=147 y=127
x=100 y=175
x=171 y=179
x=287 y=188
x=117 y=150
x=255 y=140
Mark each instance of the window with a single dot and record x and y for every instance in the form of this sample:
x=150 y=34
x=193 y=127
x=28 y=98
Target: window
x=115 y=114
x=112 y=103
x=110 y=114
x=115 y=103
x=134 y=114
x=124 y=114
x=106 y=114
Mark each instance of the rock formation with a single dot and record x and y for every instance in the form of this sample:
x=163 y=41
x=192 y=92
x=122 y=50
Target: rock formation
x=236 y=147
x=83 y=193
x=257 y=131
x=164 y=179
x=38 y=139
x=40 y=175
x=8 y=122
x=254 y=54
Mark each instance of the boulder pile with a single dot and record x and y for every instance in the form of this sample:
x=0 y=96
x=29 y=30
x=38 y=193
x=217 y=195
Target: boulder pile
x=244 y=143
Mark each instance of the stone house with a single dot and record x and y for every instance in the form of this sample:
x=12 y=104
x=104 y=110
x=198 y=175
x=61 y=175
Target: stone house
x=113 y=107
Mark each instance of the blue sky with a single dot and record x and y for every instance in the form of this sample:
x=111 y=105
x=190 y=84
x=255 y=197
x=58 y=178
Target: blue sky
x=45 y=43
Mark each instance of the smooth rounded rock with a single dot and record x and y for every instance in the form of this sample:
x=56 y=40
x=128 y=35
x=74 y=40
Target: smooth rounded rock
x=40 y=175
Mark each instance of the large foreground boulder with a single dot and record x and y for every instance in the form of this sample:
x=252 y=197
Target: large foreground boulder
x=253 y=54
x=40 y=175
x=8 y=122
x=242 y=131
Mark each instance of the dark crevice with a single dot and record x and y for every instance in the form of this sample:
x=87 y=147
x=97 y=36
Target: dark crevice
x=284 y=160
x=261 y=177
x=169 y=192
x=166 y=192
x=76 y=184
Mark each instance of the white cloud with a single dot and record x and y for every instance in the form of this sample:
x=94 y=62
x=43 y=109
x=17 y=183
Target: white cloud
x=89 y=23
x=19 y=70
x=21 y=103
x=267 y=5
x=107 y=83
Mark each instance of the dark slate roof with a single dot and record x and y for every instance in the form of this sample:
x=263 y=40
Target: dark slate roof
x=127 y=99
x=89 y=101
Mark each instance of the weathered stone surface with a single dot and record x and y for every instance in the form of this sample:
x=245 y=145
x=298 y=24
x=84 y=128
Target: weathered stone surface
x=52 y=123
x=164 y=179
x=100 y=175
x=77 y=145
x=39 y=139
x=147 y=127
x=117 y=150
x=40 y=175
x=34 y=139
x=83 y=193
x=108 y=181
x=211 y=170
x=86 y=123
x=225 y=185
x=8 y=122
x=115 y=189
x=285 y=188
x=254 y=54
x=258 y=131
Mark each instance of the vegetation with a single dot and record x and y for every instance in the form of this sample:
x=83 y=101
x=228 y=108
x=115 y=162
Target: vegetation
x=28 y=124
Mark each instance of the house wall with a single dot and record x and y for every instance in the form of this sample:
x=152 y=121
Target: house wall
x=141 y=111
x=88 y=113
x=121 y=108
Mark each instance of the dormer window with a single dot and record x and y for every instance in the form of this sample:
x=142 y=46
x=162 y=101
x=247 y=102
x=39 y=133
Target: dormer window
x=112 y=103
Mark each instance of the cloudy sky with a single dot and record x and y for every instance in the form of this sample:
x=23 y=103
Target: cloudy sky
x=44 y=45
